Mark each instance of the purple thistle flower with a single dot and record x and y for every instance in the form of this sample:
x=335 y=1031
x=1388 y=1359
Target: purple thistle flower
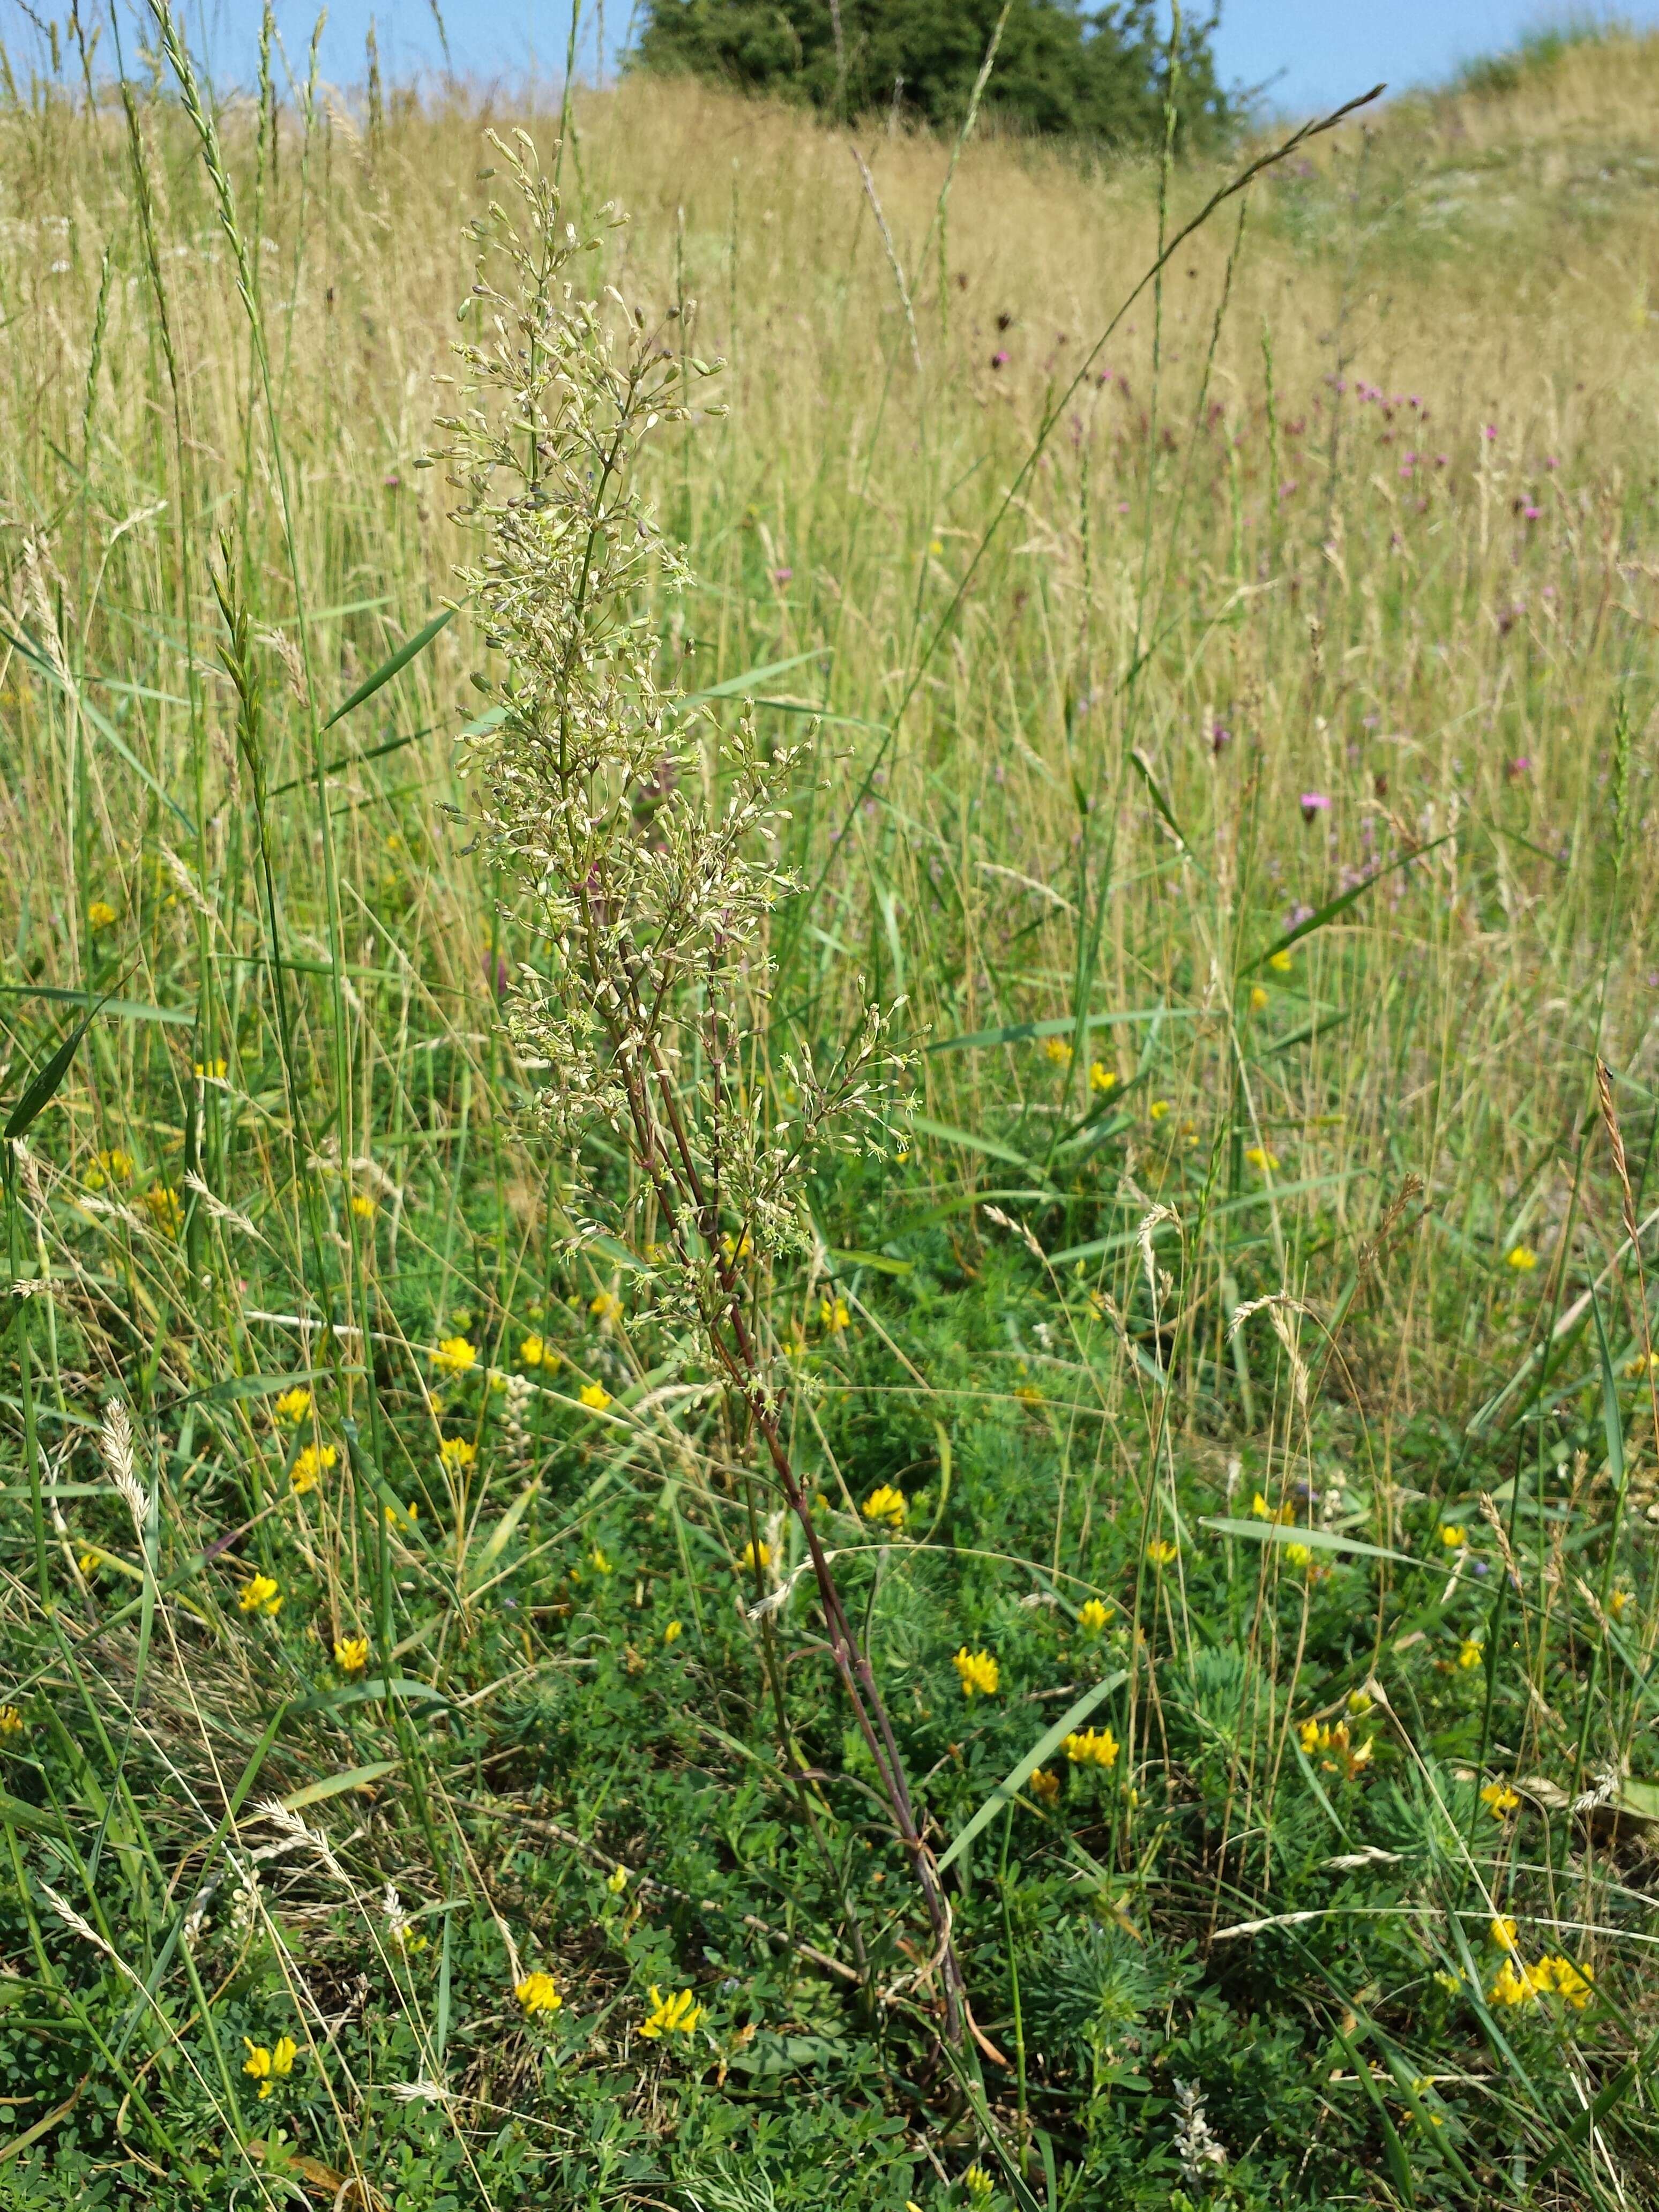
x=1312 y=803
x=1000 y=359
x=781 y=575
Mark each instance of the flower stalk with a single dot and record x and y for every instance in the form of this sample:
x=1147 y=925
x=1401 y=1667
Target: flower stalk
x=647 y=846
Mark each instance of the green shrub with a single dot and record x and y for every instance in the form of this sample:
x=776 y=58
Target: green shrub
x=1061 y=70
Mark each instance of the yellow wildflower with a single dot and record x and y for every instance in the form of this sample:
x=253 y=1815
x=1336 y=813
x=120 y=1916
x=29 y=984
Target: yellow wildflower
x=594 y=1396
x=1093 y=1615
x=886 y=1504
x=1573 y=1984
x=165 y=1208
x=833 y=1315
x=605 y=1308
x=403 y=1516
x=268 y=2066
x=293 y=1405
x=539 y=1993
x=1280 y=961
x=1502 y=1932
x=1091 y=1748
x=1161 y=1552
x=1346 y=1757
x=601 y=1562
x=351 y=1654
x=1522 y=1258
x=1500 y=1800
x=1645 y=1363
x=1101 y=1077
x=1359 y=1703
x=455 y=1356
x=456 y=1453
x=1028 y=1393
x=89 y=1562
x=616 y=1880
x=211 y=1071
x=1059 y=1051
x=99 y=914
x=11 y=1721
x=978 y=2185
x=363 y=1206
x=534 y=1352
x=1472 y=1653
x=1298 y=1555
x=1453 y=1535
x=756 y=1555
x=1258 y=999
x=736 y=1247
x=261 y=1594
x=1260 y=1156
x=1045 y=1786
x=671 y=1633
x=109 y=1167
x=978 y=1672
x=1513 y=1985
x=1159 y=1109
x=675 y=2015
x=311 y=1466
x=1617 y=1602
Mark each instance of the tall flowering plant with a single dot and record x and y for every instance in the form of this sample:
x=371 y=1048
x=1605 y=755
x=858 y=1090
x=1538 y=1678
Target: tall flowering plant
x=645 y=845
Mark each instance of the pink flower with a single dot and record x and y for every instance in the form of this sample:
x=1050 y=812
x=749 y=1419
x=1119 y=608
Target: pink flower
x=1489 y=431
x=1312 y=803
x=1000 y=359
x=781 y=575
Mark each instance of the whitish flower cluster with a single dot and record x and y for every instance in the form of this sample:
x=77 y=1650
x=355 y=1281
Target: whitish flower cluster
x=647 y=842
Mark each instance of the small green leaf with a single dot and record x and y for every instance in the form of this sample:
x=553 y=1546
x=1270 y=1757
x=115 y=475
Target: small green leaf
x=1022 y=1032
x=1021 y=1772
x=335 y=1785
x=388 y=669
x=989 y=1145
x=46 y=1086
x=1340 y=904
x=736 y=686
x=1316 y=1539
x=131 y=1010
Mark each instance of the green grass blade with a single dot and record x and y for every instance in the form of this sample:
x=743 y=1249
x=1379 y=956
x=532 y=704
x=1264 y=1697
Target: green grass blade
x=1021 y=1771
x=388 y=669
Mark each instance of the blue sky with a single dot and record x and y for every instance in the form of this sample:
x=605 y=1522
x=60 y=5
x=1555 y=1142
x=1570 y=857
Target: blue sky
x=1312 y=53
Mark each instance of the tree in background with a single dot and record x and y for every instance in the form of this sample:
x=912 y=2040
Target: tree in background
x=1062 y=70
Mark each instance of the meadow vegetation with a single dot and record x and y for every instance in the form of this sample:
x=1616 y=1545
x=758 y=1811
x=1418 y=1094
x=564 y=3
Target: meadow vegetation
x=477 y=1623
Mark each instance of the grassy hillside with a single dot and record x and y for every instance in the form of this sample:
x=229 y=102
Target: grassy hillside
x=1227 y=745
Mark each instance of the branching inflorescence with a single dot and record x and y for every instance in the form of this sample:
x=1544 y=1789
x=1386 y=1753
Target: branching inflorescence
x=647 y=843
